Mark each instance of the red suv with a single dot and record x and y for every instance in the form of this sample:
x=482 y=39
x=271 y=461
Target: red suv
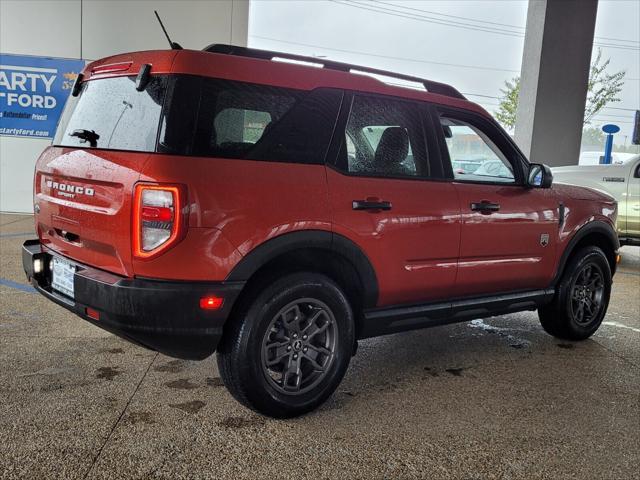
x=275 y=212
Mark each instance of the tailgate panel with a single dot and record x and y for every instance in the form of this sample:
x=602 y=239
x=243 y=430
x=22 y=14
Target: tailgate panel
x=84 y=199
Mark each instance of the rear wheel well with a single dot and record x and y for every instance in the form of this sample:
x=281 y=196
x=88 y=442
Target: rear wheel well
x=317 y=260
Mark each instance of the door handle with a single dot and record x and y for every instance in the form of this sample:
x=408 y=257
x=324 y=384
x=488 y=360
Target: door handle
x=370 y=205
x=485 y=206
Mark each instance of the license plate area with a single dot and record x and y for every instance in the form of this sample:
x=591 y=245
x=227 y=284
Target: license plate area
x=62 y=275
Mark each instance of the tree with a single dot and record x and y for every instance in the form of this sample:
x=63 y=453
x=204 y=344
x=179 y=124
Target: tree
x=593 y=136
x=506 y=113
x=603 y=88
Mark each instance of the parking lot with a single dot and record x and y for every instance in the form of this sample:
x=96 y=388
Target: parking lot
x=492 y=398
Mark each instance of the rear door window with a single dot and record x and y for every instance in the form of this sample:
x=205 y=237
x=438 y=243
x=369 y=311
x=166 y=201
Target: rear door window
x=384 y=137
x=111 y=114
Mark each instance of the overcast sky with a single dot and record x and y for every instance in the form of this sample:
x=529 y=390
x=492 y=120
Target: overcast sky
x=474 y=45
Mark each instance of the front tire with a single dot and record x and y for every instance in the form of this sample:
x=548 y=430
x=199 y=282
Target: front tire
x=581 y=298
x=287 y=350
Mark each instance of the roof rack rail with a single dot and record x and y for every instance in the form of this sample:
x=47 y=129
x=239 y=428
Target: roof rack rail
x=430 y=86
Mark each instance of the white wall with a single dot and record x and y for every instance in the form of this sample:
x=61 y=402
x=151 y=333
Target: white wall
x=91 y=29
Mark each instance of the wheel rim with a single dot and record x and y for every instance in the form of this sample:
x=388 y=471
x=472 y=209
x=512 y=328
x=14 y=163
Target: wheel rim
x=299 y=346
x=587 y=294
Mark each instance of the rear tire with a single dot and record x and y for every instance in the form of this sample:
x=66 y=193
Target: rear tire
x=581 y=298
x=288 y=348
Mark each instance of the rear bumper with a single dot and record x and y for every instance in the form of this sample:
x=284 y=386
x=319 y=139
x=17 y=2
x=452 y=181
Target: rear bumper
x=161 y=315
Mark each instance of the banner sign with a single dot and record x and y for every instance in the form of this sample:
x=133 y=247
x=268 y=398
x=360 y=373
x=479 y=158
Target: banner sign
x=33 y=91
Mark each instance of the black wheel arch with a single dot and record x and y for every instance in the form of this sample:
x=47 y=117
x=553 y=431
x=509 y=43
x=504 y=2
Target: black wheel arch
x=597 y=233
x=326 y=252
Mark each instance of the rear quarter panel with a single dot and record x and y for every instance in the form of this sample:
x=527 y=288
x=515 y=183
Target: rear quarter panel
x=234 y=206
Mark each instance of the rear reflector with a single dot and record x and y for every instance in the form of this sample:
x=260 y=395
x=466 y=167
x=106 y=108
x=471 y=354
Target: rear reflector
x=211 y=302
x=161 y=214
x=91 y=313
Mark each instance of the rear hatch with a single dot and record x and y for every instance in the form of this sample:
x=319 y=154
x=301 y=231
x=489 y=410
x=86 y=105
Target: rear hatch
x=84 y=183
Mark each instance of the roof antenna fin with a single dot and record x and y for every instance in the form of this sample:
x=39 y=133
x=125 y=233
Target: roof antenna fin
x=174 y=45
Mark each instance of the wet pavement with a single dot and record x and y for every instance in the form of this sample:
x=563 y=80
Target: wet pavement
x=491 y=398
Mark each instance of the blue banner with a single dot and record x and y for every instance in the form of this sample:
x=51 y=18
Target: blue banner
x=33 y=91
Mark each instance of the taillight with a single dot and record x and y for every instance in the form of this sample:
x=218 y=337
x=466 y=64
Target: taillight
x=157 y=221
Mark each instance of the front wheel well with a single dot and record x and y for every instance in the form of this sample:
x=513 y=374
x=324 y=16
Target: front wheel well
x=596 y=239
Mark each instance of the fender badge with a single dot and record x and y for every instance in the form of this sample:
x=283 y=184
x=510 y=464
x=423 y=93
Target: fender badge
x=544 y=239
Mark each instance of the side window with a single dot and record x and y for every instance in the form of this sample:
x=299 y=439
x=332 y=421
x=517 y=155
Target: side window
x=383 y=137
x=304 y=133
x=240 y=125
x=260 y=122
x=474 y=156
x=234 y=116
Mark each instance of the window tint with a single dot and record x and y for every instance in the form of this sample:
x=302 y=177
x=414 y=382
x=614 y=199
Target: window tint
x=178 y=122
x=474 y=157
x=111 y=114
x=304 y=134
x=234 y=116
x=240 y=125
x=382 y=137
x=259 y=122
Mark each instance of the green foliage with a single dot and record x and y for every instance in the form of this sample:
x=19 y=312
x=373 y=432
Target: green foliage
x=506 y=113
x=593 y=136
x=603 y=89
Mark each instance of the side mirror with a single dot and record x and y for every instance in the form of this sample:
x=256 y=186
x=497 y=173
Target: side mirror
x=539 y=176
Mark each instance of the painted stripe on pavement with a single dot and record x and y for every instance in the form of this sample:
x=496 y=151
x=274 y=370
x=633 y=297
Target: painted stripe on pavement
x=17 y=286
x=20 y=234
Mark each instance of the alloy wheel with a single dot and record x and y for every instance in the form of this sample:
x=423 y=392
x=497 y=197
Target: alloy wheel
x=587 y=294
x=299 y=346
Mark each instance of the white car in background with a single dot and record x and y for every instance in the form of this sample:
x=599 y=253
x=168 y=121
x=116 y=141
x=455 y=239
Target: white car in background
x=621 y=181
x=593 y=158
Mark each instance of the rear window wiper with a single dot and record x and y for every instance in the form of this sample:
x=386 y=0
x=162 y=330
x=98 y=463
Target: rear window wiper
x=86 y=136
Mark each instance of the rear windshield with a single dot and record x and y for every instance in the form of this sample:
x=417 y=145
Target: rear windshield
x=112 y=114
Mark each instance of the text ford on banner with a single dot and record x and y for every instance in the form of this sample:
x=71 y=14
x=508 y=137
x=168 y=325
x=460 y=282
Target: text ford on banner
x=33 y=91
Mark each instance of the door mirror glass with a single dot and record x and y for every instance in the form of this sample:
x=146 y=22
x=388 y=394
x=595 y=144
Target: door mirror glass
x=540 y=176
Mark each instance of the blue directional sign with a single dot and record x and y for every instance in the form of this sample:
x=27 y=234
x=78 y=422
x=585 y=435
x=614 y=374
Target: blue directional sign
x=609 y=129
x=33 y=91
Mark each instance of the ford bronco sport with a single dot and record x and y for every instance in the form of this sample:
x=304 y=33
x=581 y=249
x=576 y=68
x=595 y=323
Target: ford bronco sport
x=276 y=212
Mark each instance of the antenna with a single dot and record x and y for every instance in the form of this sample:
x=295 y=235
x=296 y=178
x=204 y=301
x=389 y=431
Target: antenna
x=174 y=45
